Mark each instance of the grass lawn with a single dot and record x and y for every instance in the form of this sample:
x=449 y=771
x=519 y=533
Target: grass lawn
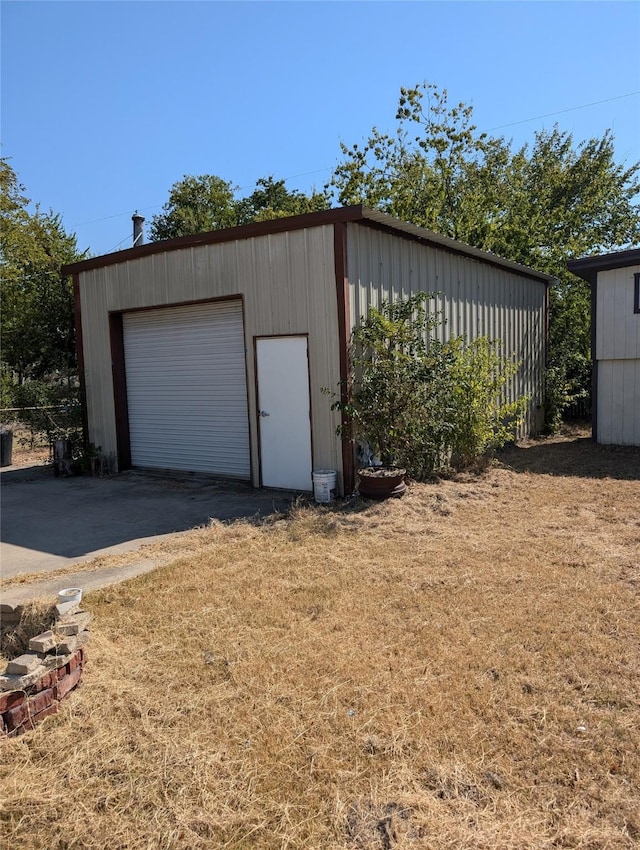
x=455 y=669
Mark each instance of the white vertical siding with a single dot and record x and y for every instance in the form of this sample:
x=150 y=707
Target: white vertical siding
x=618 y=358
x=619 y=402
x=617 y=326
x=287 y=282
x=474 y=299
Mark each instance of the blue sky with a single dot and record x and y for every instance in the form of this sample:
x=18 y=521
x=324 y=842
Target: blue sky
x=104 y=105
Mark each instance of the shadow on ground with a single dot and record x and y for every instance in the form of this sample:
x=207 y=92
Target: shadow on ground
x=47 y=521
x=580 y=457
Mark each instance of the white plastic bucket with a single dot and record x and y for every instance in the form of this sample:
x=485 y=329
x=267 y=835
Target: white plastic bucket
x=324 y=485
x=70 y=594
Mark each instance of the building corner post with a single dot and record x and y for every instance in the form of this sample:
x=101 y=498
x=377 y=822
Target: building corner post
x=77 y=318
x=594 y=362
x=344 y=333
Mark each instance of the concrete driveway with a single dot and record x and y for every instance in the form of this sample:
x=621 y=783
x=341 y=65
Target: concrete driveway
x=48 y=523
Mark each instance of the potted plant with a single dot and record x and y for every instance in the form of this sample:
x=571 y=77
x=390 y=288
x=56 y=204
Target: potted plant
x=420 y=404
x=381 y=482
x=385 y=405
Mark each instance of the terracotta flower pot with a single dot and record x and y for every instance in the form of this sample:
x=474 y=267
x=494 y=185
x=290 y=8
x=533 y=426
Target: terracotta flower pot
x=381 y=482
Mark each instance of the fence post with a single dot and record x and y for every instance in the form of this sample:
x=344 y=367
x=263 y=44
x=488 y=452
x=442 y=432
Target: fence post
x=6 y=447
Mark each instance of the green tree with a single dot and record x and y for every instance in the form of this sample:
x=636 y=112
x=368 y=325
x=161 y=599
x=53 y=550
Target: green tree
x=538 y=205
x=195 y=205
x=271 y=199
x=207 y=202
x=37 y=325
x=420 y=403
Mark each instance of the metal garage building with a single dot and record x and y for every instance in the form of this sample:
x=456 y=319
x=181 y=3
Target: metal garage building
x=209 y=353
x=615 y=344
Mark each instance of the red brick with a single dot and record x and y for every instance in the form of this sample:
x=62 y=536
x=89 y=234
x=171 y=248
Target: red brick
x=47 y=681
x=11 y=699
x=74 y=661
x=19 y=730
x=30 y=722
x=38 y=703
x=50 y=709
x=65 y=685
x=17 y=716
x=41 y=701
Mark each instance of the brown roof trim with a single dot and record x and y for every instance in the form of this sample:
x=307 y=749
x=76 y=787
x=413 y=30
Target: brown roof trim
x=588 y=267
x=212 y=237
x=358 y=214
x=382 y=221
x=120 y=399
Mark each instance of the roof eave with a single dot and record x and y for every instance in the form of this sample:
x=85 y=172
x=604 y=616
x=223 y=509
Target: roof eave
x=356 y=214
x=588 y=267
x=211 y=237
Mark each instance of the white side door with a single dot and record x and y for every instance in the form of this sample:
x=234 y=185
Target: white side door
x=284 y=412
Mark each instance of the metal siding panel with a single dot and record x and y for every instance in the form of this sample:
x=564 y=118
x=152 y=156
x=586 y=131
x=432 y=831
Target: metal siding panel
x=620 y=300
x=635 y=408
x=619 y=402
x=618 y=355
x=631 y=319
x=616 y=390
x=97 y=360
x=617 y=326
x=476 y=299
x=604 y=401
x=602 y=322
x=630 y=435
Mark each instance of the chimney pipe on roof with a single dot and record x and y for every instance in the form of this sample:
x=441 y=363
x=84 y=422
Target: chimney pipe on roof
x=138 y=229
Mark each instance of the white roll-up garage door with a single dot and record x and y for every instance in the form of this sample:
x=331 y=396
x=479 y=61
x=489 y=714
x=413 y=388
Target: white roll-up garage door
x=187 y=388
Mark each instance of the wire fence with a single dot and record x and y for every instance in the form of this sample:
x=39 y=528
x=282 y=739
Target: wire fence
x=39 y=426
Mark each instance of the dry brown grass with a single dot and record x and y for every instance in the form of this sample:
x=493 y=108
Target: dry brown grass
x=455 y=669
x=37 y=617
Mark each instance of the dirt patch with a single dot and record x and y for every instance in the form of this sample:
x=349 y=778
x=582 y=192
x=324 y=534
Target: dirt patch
x=28 y=449
x=573 y=453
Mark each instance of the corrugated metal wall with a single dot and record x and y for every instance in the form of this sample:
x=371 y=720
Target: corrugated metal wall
x=287 y=282
x=475 y=299
x=618 y=358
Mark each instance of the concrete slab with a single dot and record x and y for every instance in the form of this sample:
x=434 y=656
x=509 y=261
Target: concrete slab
x=87 y=579
x=49 y=523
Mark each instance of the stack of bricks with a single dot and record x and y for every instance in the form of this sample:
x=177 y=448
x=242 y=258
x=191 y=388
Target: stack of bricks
x=34 y=684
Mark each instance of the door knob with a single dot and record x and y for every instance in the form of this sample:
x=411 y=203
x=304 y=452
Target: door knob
x=263 y=413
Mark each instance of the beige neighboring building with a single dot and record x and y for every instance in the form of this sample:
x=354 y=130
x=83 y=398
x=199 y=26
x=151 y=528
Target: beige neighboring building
x=209 y=353
x=615 y=344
